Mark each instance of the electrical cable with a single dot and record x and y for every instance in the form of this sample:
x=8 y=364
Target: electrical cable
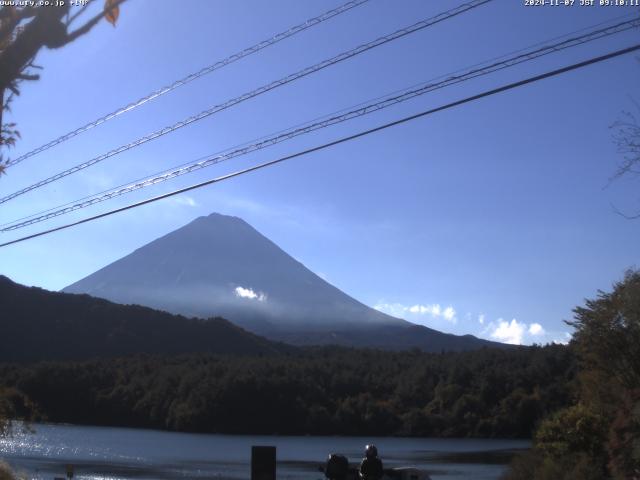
x=254 y=93
x=191 y=77
x=324 y=122
x=487 y=93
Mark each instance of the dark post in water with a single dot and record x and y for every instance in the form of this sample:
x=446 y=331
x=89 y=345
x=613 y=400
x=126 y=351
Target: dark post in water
x=263 y=463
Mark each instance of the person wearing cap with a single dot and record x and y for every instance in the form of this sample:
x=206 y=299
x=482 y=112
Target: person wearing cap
x=371 y=466
x=337 y=467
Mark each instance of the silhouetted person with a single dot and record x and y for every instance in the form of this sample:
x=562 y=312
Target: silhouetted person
x=337 y=467
x=371 y=466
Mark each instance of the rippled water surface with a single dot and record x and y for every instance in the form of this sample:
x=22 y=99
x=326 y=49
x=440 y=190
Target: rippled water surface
x=122 y=453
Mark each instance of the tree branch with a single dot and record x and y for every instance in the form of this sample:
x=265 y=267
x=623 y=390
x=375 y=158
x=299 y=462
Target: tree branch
x=79 y=12
x=27 y=76
x=45 y=29
x=1 y=112
x=622 y=214
x=86 y=28
x=15 y=17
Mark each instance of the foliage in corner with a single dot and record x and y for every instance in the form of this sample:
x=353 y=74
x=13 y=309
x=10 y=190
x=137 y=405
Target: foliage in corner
x=24 y=31
x=598 y=437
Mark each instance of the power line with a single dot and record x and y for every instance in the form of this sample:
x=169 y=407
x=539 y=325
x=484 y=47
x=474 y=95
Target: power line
x=487 y=93
x=324 y=122
x=191 y=77
x=306 y=128
x=265 y=88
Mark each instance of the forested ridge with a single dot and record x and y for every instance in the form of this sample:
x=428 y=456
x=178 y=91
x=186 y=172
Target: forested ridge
x=484 y=393
x=37 y=324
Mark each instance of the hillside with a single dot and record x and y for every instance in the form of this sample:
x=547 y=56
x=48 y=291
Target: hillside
x=40 y=325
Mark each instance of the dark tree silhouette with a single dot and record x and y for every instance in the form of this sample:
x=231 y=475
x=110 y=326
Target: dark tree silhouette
x=599 y=436
x=24 y=31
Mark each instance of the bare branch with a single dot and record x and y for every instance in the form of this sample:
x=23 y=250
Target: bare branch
x=86 y=28
x=20 y=43
x=626 y=136
x=80 y=11
x=8 y=26
x=12 y=18
x=27 y=12
x=622 y=214
x=2 y=109
x=27 y=76
x=46 y=29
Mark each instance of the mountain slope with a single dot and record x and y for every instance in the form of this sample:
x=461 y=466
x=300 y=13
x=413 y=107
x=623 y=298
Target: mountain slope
x=221 y=266
x=40 y=325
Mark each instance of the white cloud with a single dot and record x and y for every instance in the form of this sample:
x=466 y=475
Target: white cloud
x=536 y=330
x=511 y=332
x=433 y=310
x=250 y=294
x=394 y=309
x=449 y=314
x=185 y=200
x=515 y=332
x=508 y=332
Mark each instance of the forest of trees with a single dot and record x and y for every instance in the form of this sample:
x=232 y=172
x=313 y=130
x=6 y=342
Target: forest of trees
x=580 y=403
x=485 y=393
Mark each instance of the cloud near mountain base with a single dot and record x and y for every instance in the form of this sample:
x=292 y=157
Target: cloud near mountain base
x=434 y=311
x=242 y=292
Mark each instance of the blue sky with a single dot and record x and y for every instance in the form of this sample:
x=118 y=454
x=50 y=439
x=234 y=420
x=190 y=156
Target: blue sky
x=495 y=218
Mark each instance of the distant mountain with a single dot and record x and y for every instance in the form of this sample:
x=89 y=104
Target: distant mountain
x=221 y=266
x=36 y=324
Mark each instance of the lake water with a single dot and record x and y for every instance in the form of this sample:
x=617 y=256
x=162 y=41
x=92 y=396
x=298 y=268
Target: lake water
x=122 y=453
